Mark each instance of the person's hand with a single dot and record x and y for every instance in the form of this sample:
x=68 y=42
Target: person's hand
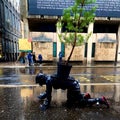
x=45 y=105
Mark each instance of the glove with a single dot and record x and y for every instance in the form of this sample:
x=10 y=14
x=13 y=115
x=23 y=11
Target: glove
x=45 y=105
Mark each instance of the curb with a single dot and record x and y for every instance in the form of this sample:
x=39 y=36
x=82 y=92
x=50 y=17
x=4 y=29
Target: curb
x=74 y=66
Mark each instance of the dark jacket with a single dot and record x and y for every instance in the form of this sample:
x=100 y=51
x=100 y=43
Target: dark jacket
x=70 y=84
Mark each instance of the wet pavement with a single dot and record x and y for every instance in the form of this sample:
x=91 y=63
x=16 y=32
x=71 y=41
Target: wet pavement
x=18 y=93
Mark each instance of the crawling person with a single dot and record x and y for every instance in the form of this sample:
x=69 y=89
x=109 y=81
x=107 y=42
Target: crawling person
x=74 y=94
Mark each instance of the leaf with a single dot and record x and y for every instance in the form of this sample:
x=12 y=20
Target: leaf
x=75 y=19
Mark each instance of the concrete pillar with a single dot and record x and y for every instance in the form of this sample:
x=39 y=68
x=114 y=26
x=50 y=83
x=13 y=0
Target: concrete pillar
x=118 y=39
x=22 y=29
x=89 y=48
x=117 y=87
x=58 y=42
x=117 y=95
x=26 y=28
x=24 y=12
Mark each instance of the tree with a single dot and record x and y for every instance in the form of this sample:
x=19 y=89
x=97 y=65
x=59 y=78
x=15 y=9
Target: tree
x=75 y=19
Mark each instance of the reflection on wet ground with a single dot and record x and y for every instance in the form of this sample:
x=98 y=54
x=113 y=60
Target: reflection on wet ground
x=85 y=75
x=20 y=102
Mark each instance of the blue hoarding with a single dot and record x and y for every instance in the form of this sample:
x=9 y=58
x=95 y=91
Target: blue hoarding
x=106 y=8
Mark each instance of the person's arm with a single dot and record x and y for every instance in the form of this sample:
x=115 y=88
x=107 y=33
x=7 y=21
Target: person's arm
x=42 y=95
x=48 y=89
x=47 y=101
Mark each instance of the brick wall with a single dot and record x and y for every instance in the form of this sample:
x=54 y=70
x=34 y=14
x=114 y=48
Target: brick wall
x=78 y=53
x=105 y=50
x=45 y=49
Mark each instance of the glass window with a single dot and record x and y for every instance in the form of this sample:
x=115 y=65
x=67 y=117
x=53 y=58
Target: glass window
x=2 y=12
x=6 y=13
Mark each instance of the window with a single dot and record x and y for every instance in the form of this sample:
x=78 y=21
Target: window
x=86 y=46
x=54 y=49
x=93 y=49
x=63 y=49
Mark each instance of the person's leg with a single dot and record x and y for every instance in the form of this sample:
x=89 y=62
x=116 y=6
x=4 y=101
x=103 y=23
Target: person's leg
x=82 y=100
x=97 y=101
x=29 y=62
x=73 y=97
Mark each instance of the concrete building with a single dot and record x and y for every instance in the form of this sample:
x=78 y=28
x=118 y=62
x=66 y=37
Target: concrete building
x=10 y=29
x=40 y=18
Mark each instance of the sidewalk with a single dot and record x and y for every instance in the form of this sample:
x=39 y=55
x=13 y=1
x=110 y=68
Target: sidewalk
x=19 y=95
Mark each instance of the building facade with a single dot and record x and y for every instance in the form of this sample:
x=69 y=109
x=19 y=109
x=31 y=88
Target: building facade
x=41 y=17
x=10 y=29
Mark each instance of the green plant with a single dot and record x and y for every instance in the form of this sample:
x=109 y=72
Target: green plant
x=75 y=19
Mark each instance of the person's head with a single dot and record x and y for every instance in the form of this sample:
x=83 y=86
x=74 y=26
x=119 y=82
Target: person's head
x=41 y=79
